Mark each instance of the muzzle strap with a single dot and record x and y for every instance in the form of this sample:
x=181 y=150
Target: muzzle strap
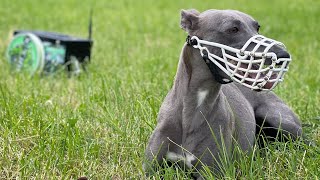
x=191 y=42
x=213 y=68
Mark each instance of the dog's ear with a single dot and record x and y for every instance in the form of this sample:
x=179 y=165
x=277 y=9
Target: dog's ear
x=189 y=20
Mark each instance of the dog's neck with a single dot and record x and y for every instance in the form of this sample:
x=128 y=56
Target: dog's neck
x=193 y=76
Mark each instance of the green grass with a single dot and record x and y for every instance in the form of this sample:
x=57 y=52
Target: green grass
x=98 y=125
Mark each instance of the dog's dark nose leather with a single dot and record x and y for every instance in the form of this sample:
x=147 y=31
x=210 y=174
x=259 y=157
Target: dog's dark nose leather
x=283 y=54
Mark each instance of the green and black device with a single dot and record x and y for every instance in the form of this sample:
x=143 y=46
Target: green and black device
x=46 y=52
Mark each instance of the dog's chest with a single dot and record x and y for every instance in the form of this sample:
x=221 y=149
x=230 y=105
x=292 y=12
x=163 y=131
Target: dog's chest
x=206 y=117
x=201 y=96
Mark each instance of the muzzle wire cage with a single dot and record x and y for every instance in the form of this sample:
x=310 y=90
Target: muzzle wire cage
x=253 y=66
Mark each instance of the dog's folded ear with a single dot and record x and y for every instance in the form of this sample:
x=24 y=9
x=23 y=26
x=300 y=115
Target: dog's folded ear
x=189 y=20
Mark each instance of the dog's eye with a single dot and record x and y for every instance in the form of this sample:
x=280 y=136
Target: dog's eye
x=233 y=30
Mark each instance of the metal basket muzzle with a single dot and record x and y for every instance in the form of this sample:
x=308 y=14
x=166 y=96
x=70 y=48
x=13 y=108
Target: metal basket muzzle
x=253 y=66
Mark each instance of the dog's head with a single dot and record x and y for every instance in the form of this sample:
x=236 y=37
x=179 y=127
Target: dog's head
x=236 y=29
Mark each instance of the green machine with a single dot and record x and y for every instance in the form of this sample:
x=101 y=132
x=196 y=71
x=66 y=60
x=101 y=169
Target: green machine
x=46 y=52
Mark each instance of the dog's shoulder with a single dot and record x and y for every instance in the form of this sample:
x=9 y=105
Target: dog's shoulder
x=232 y=92
x=237 y=100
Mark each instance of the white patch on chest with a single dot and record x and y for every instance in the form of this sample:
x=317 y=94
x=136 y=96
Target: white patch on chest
x=202 y=94
x=187 y=159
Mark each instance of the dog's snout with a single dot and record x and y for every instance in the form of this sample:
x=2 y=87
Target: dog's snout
x=283 y=54
x=280 y=54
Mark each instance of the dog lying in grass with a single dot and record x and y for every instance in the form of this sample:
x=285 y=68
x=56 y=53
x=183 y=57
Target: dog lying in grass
x=217 y=100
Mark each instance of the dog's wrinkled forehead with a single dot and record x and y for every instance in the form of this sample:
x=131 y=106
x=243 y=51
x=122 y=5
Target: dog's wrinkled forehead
x=217 y=19
x=219 y=25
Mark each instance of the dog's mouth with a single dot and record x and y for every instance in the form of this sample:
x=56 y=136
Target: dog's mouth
x=259 y=77
x=259 y=74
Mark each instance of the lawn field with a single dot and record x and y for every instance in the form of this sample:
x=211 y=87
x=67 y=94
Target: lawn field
x=97 y=125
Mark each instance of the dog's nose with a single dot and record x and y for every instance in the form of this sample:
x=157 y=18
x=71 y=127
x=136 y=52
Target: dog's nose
x=280 y=54
x=283 y=54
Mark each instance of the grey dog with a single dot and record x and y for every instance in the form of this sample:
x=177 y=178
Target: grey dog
x=199 y=115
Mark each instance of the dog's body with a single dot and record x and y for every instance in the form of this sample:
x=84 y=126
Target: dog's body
x=200 y=117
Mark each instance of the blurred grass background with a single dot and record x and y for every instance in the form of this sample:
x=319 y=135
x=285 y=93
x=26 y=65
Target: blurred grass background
x=97 y=125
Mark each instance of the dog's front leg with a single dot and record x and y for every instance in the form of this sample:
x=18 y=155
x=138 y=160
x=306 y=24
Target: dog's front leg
x=165 y=138
x=277 y=120
x=208 y=131
x=273 y=117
